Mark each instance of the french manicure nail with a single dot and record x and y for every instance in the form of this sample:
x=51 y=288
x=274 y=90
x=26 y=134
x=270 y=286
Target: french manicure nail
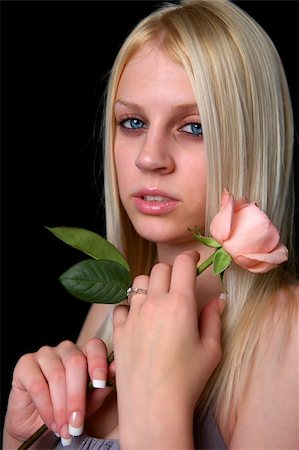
x=75 y=427
x=99 y=383
x=65 y=442
x=99 y=378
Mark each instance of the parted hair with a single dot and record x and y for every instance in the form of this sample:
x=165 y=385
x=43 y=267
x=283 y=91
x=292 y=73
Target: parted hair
x=246 y=115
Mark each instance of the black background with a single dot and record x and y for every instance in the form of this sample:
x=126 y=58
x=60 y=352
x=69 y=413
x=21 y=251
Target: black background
x=55 y=57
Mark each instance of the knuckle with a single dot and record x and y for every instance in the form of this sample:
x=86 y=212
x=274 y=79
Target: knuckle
x=44 y=350
x=76 y=359
x=25 y=359
x=161 y=266
x=95 y=342
x=183 y=258
x=37 y=387
x=67 y=344
x=140 y=280
x=56 y=375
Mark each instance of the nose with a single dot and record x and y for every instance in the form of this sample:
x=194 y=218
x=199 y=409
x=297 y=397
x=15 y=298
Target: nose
x=155 y=154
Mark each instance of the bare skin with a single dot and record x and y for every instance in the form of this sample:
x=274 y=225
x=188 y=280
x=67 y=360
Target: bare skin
x=157 y=141
x=55 y=383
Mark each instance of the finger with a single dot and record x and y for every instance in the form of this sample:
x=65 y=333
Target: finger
x=96 y=353
x=159 y=281
x=37 y=387
x=120 y=315
x=210 y=327
x=75 y=364
x=54 y=372
x=137 y=299
x=184 y=273
x=112 y=370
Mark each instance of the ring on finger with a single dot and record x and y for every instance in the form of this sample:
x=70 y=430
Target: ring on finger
x=133 y=291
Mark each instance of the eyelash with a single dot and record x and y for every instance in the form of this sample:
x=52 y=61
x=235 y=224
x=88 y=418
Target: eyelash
x=121 y=122
x=124 y=119
x=193 y=122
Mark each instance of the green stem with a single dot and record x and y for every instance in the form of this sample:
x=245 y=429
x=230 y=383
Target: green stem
x=203 y=266
x=33 y=438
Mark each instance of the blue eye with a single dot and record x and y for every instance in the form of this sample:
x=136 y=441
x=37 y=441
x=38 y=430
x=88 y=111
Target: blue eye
x=193 y=128
x=133 y=123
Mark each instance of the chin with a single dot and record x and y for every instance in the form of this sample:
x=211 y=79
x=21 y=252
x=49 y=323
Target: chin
x=163 y=234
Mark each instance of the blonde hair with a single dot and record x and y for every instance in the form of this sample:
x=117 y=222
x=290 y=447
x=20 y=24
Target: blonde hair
x=244 y=102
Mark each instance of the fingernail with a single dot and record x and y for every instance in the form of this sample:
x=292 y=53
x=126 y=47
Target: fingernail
x=221 y=302
x=98 y=379
x=57 y=435
x=64 y=431
x=66 y=442
x=75 y=427
x=99 y=383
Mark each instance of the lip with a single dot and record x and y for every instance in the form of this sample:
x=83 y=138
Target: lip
x=146 y=203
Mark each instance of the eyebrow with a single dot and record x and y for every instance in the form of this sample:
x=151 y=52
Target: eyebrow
x=181 y=108
x=186 y=107
x=128 y=104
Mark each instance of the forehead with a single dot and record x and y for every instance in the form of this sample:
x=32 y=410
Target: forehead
x=151 y=67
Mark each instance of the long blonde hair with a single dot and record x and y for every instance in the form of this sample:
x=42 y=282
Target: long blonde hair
x=243 y=97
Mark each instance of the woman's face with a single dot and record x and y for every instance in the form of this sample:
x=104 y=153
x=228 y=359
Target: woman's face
x=159 y=149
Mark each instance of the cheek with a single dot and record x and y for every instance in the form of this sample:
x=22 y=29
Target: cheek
x=196 y=191
x=121 y=166
x=124 y=154
x=196 y=175
x=119 y=155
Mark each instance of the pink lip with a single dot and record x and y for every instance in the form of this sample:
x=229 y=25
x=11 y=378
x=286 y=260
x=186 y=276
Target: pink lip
x=146 y=203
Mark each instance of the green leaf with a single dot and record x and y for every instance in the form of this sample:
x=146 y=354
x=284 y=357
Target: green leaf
x=210 y=242
x=221 y=261
x=97 y=281
x=90 y=243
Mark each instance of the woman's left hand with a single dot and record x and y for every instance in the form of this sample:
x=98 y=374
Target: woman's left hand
x=165 y=352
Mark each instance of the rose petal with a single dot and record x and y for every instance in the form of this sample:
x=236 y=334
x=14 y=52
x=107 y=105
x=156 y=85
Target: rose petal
x=277 y=256
x=241 y=203
x=263 y=262
x=253 y=265
x=221 y=224
x=252 y=232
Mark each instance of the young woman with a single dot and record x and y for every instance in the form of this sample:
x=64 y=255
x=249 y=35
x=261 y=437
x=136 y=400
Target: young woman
x=197 y=103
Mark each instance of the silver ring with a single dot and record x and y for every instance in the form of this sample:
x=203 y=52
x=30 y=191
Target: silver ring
x=133 y=291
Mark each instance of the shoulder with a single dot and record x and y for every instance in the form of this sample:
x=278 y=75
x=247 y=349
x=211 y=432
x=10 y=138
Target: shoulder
x=268 y=411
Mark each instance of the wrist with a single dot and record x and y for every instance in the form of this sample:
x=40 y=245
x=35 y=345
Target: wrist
x=170 y=438
x=163 y=425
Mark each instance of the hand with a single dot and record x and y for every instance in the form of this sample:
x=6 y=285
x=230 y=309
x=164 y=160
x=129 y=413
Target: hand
x=164 y=355
x=50 y=386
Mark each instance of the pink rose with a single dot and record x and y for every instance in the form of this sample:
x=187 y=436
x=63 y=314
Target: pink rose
x=247 y=235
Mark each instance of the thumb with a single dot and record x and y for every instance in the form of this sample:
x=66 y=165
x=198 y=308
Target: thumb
x=95 y=399
x=210 y=322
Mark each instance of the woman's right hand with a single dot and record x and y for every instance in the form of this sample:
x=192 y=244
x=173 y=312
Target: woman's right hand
x=50 y=387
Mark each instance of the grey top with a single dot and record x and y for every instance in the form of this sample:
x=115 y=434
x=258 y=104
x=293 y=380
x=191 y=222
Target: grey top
x=206 y=437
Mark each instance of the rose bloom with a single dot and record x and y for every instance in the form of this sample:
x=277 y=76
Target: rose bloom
x=247 y=235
